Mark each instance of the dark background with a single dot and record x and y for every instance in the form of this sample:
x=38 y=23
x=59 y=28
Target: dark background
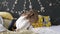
x=53 y=11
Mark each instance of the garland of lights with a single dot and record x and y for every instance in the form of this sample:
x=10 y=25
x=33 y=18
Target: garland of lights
x=14 y=6
x=30 y=6
x=24 y=6
x=42 y=8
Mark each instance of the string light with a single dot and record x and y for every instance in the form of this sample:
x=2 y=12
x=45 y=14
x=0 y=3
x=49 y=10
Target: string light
x=16 y=12
x=7 y=9
x=14 y=6
x=24 y=6
x=30 y=6
x=38 y=11
x=50 y=4
x=19 y=12
x=42 y=8
x=12 y=11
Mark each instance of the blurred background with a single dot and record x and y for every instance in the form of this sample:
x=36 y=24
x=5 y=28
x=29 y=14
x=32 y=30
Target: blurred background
x=45 y=7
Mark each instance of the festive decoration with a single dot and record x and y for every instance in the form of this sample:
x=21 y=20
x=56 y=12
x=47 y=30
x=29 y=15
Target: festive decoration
x=30 y=6
x=24 y=5
x=14 y=6
x=5 y=4
x=42 y=8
